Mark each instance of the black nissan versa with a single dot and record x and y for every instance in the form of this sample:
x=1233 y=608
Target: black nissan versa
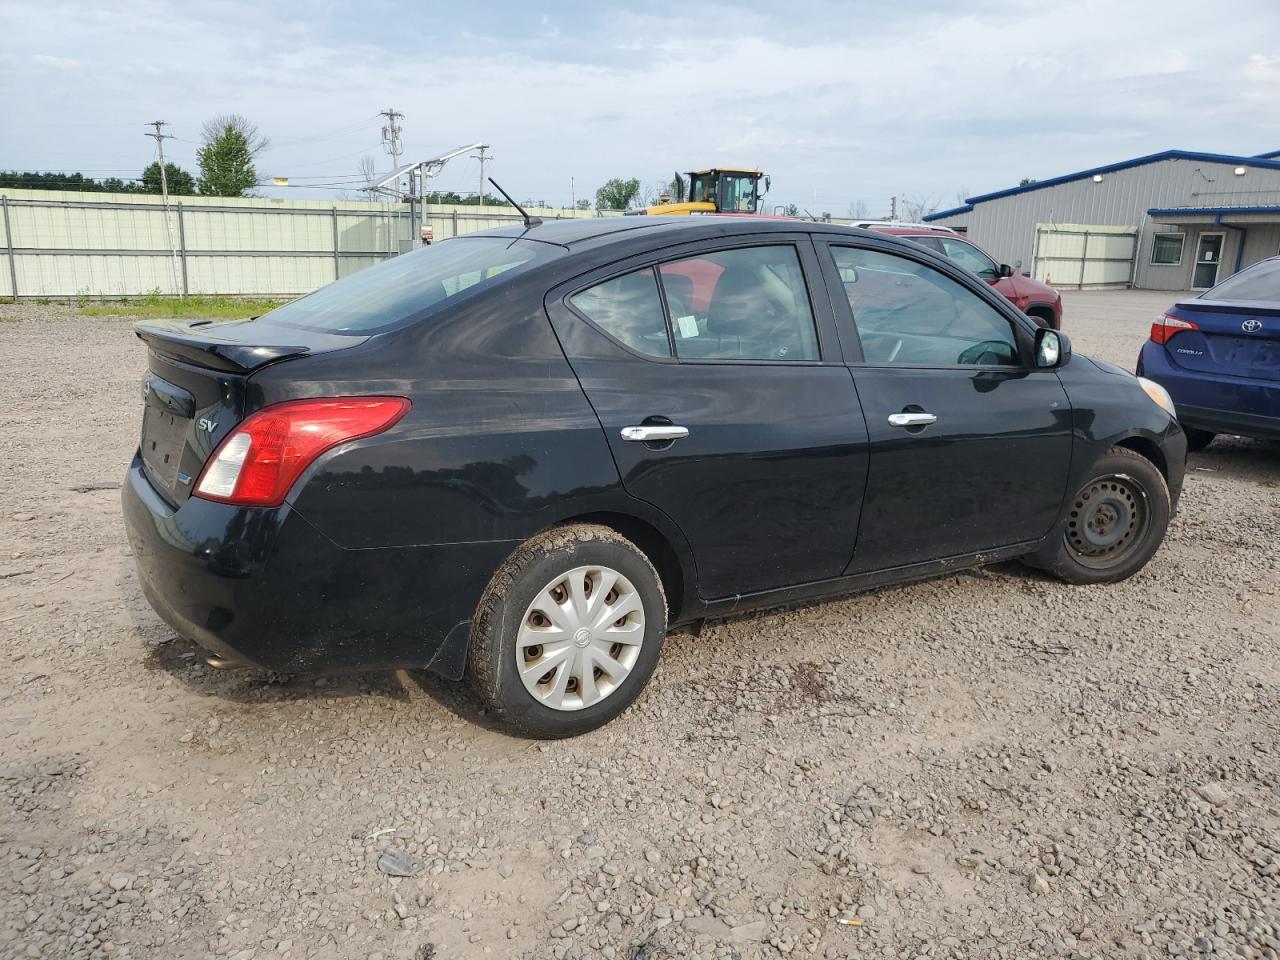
x=524 y=454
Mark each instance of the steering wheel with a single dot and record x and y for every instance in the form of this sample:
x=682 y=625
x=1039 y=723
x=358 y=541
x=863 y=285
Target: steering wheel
x=986 y=352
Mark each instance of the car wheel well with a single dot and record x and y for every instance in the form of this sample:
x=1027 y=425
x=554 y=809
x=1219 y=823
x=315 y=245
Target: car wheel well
x=653 y=544
x=1040 y=312
x=1148 y=450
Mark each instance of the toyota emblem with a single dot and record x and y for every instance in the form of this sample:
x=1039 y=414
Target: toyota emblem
x=1251 y=325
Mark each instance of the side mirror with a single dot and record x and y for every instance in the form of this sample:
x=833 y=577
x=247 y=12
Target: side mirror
x=767 y=184
x=1006 y=270
x=1053 y=348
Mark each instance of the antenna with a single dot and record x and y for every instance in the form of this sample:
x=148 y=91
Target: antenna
x=528 y=220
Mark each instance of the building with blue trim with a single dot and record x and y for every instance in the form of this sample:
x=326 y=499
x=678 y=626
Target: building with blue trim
x=1175 y=220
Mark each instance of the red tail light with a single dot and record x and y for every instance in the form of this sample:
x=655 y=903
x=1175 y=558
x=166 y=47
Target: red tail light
x=1166 y=326
x=257 y=463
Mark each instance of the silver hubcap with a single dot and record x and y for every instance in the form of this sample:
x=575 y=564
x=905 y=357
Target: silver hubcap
x=580 y=638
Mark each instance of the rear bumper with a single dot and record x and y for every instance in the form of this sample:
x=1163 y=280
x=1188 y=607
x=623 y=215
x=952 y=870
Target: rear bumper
x=263 y=587
x=1229 y=421
x=1218 y=404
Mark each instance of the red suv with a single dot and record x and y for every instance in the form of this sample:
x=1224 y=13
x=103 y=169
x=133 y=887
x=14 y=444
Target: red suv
x=1037 y=300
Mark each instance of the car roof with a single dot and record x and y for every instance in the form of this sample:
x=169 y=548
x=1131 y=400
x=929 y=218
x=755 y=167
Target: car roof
x=898 y=231
x=579 y=233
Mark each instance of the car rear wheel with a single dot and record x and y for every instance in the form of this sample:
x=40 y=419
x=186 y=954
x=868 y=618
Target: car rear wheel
x=568 y=631
x=1198 y=439
x=1114 y=523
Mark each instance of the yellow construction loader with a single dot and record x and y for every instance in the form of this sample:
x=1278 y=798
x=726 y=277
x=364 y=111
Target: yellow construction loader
x=730 y=190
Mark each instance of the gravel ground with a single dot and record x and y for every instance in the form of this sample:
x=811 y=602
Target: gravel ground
x=993 y=764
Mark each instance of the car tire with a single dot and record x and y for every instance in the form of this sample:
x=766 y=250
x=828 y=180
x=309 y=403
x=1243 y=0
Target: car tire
x=1198 y=439
x=558 y=574
x=1112 y=525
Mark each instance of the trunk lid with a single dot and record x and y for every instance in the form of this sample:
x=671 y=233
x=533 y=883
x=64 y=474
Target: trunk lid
x=1234 y=338
x=196 y=388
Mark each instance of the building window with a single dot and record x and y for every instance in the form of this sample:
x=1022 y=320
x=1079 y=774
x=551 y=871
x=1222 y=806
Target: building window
x=1166 y=249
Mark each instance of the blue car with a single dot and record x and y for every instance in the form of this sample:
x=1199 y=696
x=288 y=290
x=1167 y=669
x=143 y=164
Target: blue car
x=1218 y=355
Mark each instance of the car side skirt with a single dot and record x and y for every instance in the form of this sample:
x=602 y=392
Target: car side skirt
x=860 y=582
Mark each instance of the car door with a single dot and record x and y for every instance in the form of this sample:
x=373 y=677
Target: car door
x=970 y=444
x=717 y=377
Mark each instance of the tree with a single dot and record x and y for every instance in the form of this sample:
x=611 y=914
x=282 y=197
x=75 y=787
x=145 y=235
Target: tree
x=791 y=210
x=179 y=181
x=14 y=179
x=917 y=207
x=1027 y=181
x=858 y=210
x=617 y=194
x=584 y=204
x=368 y=170
x=226 y=159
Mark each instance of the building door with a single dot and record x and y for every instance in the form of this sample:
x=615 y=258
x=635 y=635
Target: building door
x=1208 y=255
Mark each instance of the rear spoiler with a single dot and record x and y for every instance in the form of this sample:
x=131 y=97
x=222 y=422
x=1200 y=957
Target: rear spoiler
x=236 y=347
x=1225 y=306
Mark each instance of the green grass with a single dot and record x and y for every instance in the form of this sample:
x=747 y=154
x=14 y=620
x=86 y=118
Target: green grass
x=186 y=308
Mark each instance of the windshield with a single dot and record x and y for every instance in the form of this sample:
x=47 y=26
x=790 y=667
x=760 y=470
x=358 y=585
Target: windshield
x=397 y=289
x=738 y=193
x=1259 y=282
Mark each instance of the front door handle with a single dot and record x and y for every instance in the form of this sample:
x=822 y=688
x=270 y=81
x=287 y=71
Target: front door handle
x=654 y=432
x=911 y=419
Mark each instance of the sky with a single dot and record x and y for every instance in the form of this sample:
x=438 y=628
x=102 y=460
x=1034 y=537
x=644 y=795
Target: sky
x=844 y=104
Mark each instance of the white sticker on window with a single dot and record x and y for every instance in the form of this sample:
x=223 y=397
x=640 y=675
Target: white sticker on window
x=687 y=326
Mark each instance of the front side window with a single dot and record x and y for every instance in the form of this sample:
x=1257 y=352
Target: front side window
x=908 y=313
x=396 y=289
x=745 y=304
x=1166 y=249
x=629 y=309
x=970 y=257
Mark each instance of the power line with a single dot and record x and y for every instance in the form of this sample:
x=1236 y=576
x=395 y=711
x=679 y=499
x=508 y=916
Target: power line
x=338 y=133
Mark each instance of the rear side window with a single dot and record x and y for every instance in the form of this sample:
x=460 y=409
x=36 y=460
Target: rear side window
x=391 y=292
x=1259 y=282
x=629 y=309
x=745 y=304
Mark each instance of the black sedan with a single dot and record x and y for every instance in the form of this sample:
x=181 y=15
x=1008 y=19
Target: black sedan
x=526 y=454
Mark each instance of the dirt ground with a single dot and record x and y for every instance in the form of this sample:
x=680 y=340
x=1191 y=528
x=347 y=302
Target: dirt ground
x=993 y=764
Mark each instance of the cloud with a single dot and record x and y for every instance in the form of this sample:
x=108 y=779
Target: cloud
x=838 y=101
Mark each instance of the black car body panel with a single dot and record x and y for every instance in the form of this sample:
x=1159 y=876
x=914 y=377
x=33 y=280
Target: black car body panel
x=788 y=487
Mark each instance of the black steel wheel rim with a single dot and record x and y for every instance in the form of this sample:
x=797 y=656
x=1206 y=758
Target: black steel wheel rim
x=1108 y=520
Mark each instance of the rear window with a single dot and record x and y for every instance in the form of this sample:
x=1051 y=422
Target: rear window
x=408 y=285
x=1259 y=282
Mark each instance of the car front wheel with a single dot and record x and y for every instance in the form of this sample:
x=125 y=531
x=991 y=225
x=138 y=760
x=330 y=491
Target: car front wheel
x=1114 y=523
x=568 y=631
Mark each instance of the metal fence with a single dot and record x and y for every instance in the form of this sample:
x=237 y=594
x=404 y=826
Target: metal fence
x=1084 y=255
x=109 y=245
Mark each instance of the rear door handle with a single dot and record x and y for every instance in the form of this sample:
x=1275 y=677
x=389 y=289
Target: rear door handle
x=911 y=419
x=649 y=434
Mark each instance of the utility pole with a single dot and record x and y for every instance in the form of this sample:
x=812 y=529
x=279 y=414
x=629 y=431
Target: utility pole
x=391 y=143
x=482 y=158
x=391 y=135
x=160 y=137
